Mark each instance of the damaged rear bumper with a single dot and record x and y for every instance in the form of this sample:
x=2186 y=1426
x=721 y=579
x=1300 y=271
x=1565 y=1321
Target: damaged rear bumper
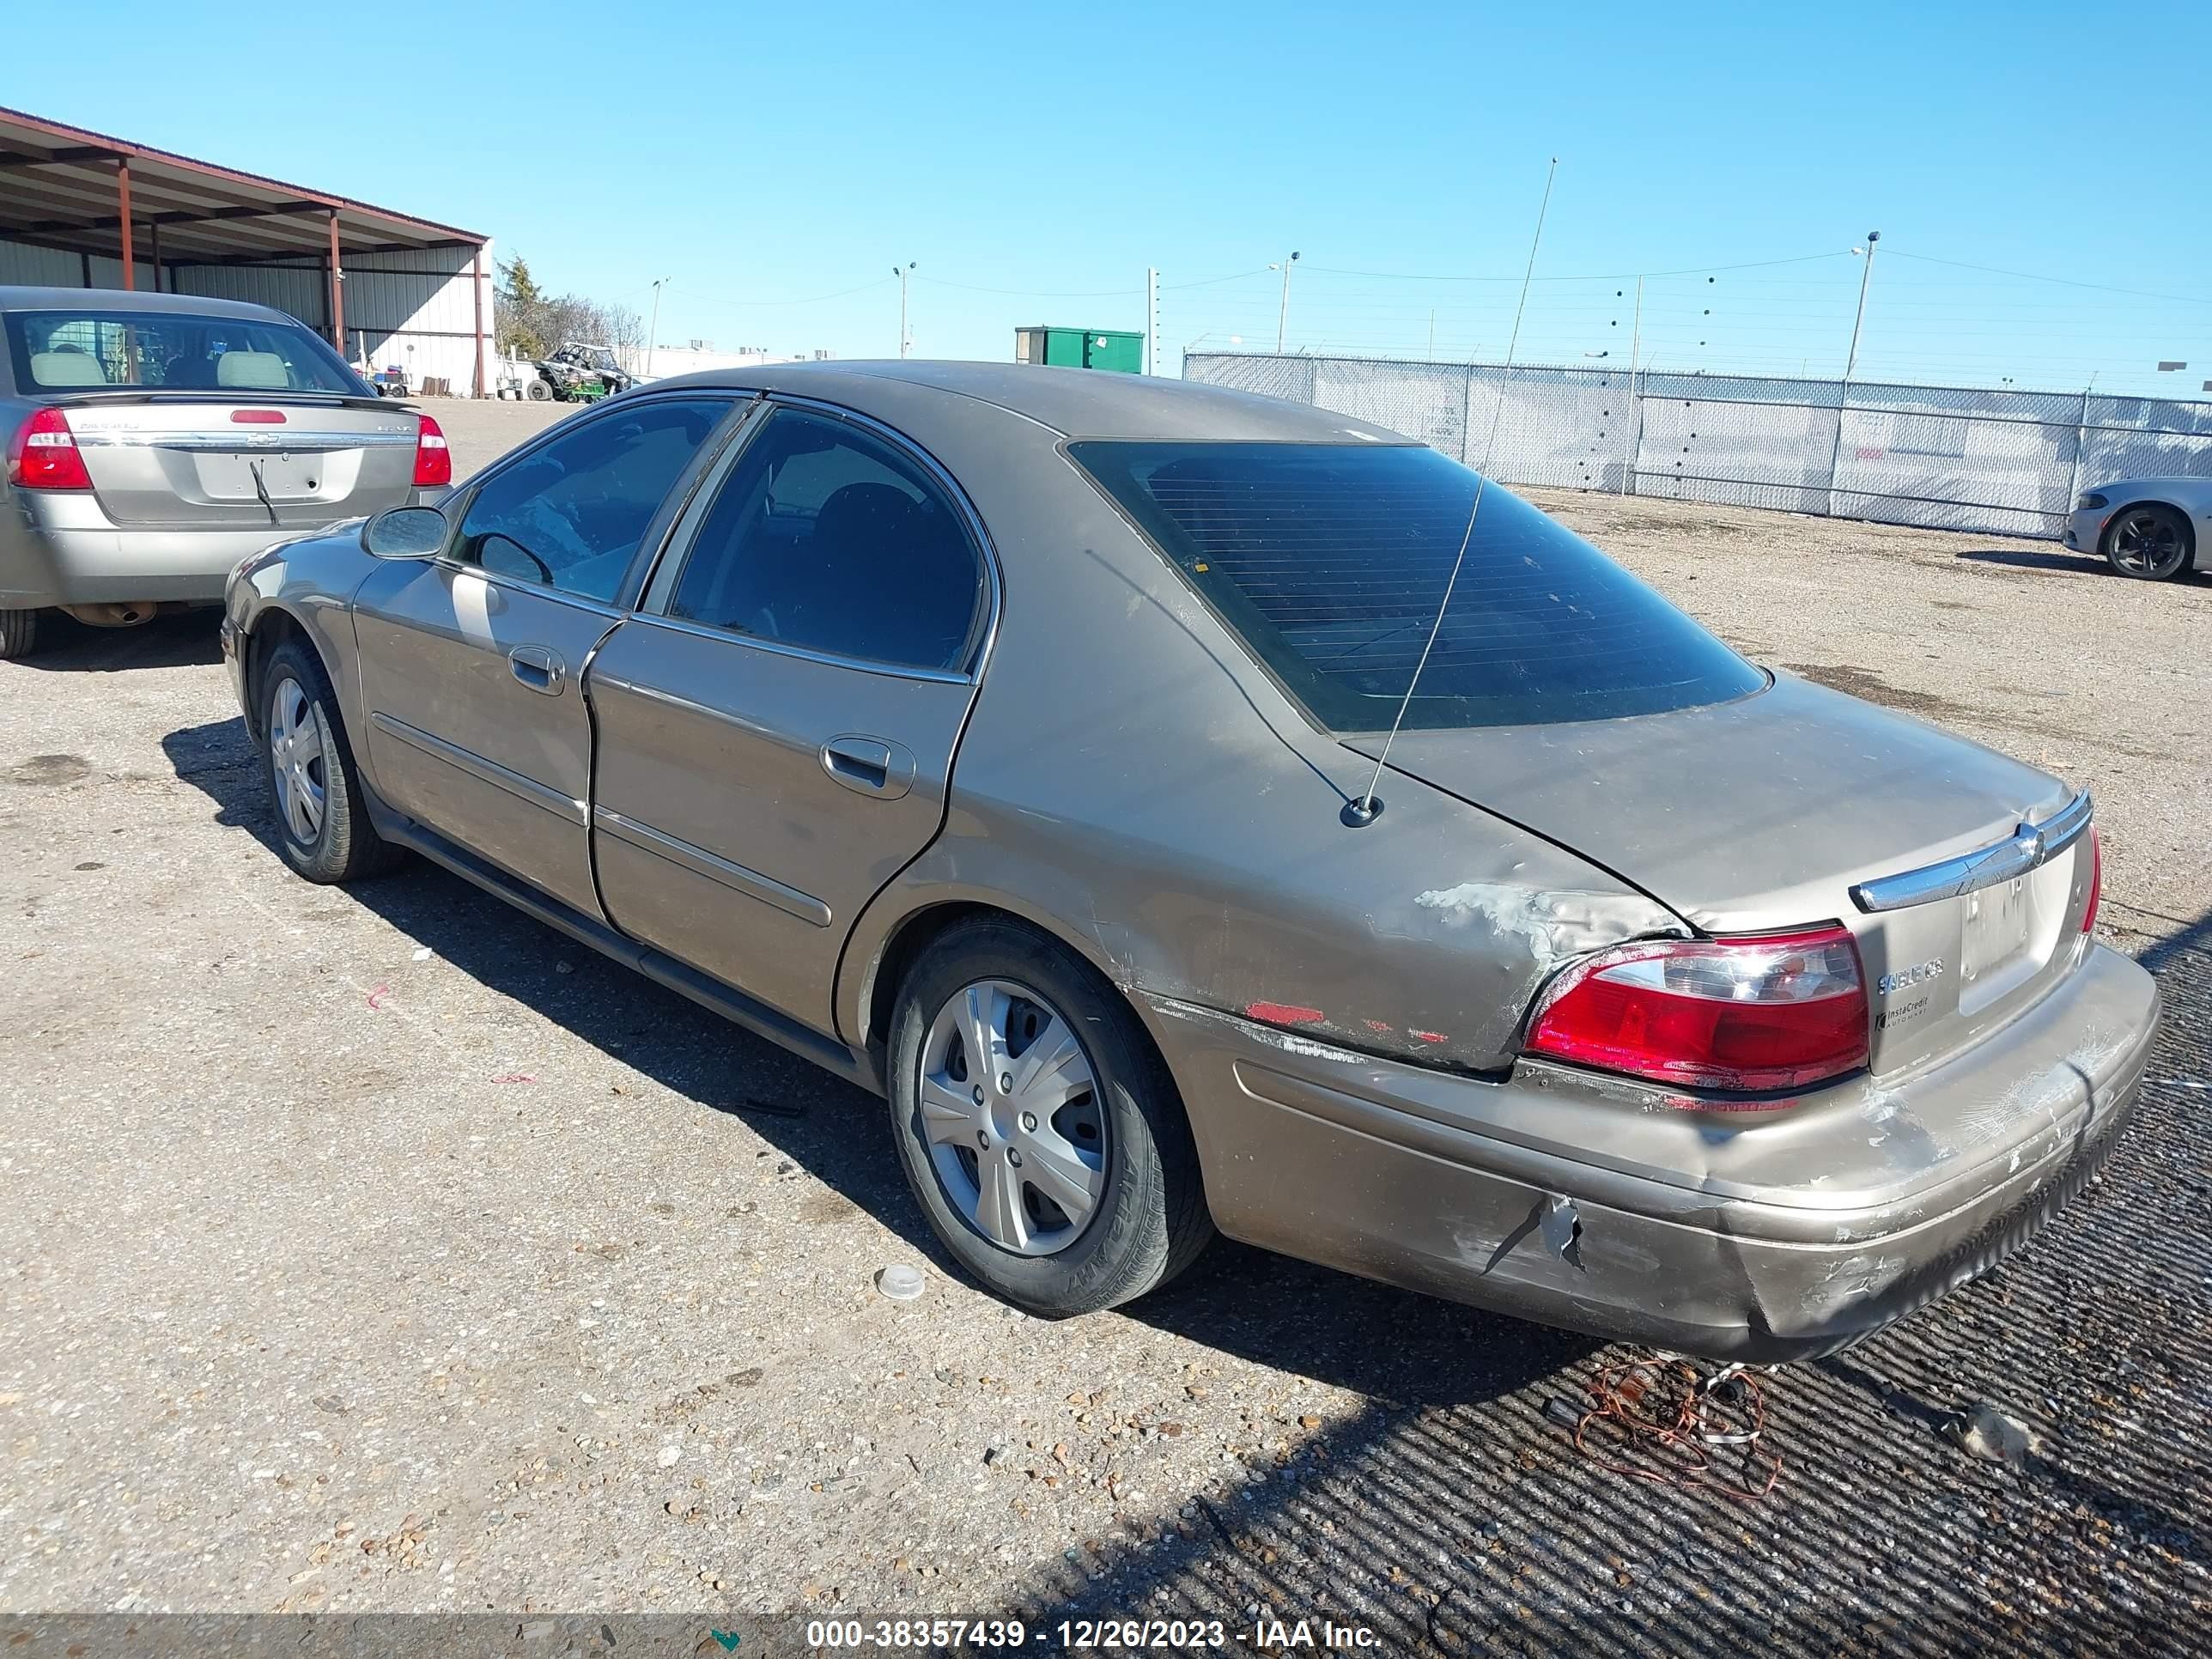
x=1584 y=1203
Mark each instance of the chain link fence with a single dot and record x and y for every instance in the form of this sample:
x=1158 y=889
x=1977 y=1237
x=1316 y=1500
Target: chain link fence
x=1948 y=458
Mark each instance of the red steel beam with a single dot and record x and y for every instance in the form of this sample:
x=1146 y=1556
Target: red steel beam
x=337 y=290
x=124 y=232
x=476 y=291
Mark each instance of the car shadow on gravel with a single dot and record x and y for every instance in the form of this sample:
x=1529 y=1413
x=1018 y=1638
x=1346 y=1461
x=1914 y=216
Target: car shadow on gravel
x=2057 y=562
x=185 y=639
x=1479 y=1526
x=1346 y=1332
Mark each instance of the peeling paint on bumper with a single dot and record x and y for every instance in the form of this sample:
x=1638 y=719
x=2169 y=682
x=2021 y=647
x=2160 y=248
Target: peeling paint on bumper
x=1444 y=1184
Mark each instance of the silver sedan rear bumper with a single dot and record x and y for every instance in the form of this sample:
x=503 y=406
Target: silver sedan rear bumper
x=59 y=552
x=1513 y=1195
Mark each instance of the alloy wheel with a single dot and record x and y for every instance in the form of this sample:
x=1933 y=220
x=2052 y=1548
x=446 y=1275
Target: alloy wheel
x=299 y=759
x=2148 y=544
x=1010 y=1110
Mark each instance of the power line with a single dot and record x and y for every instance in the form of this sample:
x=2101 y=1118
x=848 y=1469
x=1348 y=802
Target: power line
x=1613 y=277
x=1036 y=292
x=812 y=299
x=2062 y=282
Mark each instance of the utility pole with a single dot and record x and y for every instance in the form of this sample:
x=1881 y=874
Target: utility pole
x=1635 y=421
x=906 y=340
x=1283 y=316
x=1866 y=278
x=1152 y=321
x=653 y=328
x=1850 y=363
x=1433 y=334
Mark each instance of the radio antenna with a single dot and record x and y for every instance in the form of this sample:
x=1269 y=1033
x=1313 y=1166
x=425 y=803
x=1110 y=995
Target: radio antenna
x=1367 y=808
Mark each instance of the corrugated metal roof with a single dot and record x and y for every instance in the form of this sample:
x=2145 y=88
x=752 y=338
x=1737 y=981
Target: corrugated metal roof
x=57 y=189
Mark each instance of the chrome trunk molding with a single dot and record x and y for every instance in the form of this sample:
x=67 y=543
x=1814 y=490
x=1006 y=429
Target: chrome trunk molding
x=2030 y=846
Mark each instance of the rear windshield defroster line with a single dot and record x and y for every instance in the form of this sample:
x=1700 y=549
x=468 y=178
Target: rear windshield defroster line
x=1330 y=560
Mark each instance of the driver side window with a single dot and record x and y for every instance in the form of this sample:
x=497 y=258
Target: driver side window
x=570 y=514
x=823 y=538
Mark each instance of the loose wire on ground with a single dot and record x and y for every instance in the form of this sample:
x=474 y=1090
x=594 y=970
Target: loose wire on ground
x=1680 y=1428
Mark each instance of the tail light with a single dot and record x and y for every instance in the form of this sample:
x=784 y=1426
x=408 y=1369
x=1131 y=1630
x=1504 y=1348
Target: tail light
x=43 y=455
x=2096 y=879
x=434 y=462
x=1776 y=1011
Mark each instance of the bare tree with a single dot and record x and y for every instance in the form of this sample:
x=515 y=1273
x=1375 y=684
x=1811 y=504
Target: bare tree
x=533 y=322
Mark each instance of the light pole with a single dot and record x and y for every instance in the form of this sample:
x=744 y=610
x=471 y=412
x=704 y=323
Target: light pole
x=1283 y=316
x=1866 y=277
x=1850 y=363
x=901 y=272
x=653 y=328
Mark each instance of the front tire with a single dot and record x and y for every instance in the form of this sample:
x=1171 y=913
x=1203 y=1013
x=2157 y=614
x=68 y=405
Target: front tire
x=2150 y=544
x=323 y=827
x=1060 y=1172
x=19 y=634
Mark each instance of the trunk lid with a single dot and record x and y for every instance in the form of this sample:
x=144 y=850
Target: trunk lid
x=1767 y=812
x=227 y=461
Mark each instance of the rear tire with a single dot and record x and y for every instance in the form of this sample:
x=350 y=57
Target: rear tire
x=1145 y=1219
x=323 y=826
x=538 y=393
x=19 y=633
x=2151 y=542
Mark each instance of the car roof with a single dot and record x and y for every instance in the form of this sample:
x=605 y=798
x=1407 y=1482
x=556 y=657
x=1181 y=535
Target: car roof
x=1075 y=403
x=117 y=299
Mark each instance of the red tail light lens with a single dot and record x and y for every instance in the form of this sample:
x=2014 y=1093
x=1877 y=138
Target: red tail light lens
x=258 y=417
x=2096 y=879
x=43 y=455
x=1777 y=1010
x=434 y=462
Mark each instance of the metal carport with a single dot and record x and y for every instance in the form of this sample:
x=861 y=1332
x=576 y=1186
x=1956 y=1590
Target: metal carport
x=137 y=217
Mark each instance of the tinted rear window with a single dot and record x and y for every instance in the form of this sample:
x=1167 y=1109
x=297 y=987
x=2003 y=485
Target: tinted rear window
x=1330 y=562
x=74 y=350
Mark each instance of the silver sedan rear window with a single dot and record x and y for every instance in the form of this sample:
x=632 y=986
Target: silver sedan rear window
x=93 y=350
x=1329 y=562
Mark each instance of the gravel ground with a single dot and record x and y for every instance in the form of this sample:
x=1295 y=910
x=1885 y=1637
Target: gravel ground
x=381 y=1250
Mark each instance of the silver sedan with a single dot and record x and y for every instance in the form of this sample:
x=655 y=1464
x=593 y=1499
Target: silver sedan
x=1013 y=741
x=2147 y=528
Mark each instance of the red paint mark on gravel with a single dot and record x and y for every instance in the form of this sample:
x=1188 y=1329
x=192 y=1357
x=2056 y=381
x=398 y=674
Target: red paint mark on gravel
x=516 y=1077
x=1375 y=1025
x=376 y=997
x=1429 y=1036
x=1283 y=1013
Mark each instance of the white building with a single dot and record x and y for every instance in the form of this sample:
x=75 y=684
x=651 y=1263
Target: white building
x=82 y=209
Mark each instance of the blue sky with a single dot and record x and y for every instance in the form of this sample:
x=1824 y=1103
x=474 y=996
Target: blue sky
x=759 y=153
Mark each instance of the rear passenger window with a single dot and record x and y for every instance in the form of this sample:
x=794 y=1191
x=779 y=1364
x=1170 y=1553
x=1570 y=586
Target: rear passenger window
x=571 y=513
x=824 y=538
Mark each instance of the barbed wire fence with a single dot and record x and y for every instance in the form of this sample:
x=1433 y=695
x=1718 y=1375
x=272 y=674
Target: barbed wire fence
x=1946 y=458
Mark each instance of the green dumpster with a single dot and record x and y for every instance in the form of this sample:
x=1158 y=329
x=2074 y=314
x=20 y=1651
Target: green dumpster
x=1081 y=348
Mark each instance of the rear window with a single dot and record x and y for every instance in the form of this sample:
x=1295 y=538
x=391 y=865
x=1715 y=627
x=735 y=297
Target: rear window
x=1330 y=561
x=75 y=350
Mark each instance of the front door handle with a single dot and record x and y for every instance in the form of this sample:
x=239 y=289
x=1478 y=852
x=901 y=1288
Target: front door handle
x=539 y=669
x=869 y=766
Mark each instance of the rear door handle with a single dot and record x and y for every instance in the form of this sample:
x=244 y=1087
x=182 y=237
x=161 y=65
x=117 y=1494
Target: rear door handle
x=539 y=669
x=869 y=766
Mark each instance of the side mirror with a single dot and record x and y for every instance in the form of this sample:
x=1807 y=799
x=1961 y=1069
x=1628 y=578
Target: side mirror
x=405 y=533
